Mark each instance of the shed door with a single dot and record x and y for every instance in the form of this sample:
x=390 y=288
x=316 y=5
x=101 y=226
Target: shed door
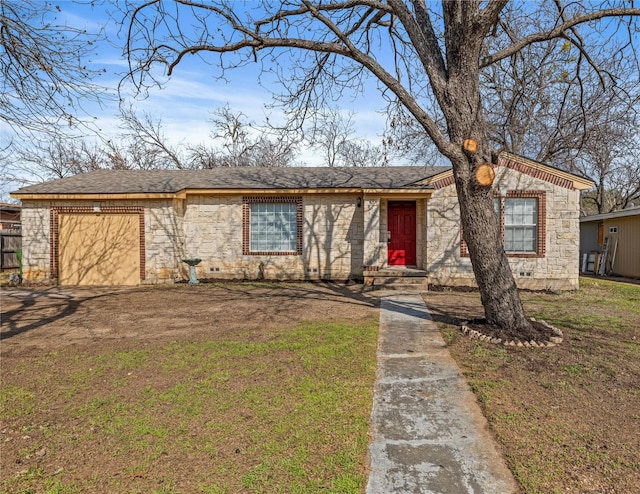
x=402 y=228
x=99 y=249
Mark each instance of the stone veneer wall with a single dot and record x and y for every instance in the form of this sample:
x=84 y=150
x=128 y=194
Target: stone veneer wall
x=210 y=228
x=164 y=241
x=36 y=228
x=375 y=241
x=331 y=249
x=162 y=237
x=556 y=270
x=339 y=238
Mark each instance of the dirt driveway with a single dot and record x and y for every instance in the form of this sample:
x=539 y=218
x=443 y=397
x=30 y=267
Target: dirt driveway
x=48 y=319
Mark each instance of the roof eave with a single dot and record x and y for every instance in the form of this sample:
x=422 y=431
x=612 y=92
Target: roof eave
x=89 y=196
x=577 y=182
x=624 y=213
x=182 y=194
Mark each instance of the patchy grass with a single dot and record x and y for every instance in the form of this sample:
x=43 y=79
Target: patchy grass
x=279 y=409
x=567 y=417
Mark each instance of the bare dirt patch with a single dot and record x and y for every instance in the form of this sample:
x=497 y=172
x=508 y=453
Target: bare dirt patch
x=49 y=319
x=243 y=387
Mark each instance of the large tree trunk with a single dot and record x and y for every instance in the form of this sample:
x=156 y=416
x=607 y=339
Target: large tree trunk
x=480 y=225
x=459 y=98
x=481 y=230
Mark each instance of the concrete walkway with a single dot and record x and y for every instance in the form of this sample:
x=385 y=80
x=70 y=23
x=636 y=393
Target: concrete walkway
x=429 y=435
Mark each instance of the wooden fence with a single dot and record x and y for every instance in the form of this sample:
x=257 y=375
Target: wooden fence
x=10 y=243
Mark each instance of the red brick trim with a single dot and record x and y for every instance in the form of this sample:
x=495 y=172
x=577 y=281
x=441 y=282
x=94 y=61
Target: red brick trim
x=443 y=182
x=464 y=252
x=246 y=222
x=541 y=248
x=54 y=234
x=517 y=166
x=535 y=173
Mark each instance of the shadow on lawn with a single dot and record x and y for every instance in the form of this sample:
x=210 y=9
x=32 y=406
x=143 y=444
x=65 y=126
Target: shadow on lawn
x=305 y=290
x=453 y=307
x=31 y=309
x=408 y=308
x=38 y=307
x=445 y=317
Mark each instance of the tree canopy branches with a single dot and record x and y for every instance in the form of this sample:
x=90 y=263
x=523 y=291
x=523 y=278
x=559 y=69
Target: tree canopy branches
x=352 y=35
x=564 y=27
x=45 y=67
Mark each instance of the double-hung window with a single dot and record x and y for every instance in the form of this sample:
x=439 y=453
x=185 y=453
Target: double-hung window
x=272 y=225
x=522 y=223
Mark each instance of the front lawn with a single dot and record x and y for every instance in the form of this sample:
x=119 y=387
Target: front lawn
x=566 y=417
x=246 y=407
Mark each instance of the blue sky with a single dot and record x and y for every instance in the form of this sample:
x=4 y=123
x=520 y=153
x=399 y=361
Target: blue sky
x=186 y=101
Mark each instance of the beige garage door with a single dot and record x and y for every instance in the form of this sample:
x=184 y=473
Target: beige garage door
x=99 y=249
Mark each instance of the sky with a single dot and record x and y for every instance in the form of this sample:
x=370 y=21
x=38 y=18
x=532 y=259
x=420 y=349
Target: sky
x=187 y=99
x=185 y=103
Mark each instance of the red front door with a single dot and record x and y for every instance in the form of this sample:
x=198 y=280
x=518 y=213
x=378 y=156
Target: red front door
x=402 y=225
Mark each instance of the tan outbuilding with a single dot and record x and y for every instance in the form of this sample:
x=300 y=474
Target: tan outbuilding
x=611 y=242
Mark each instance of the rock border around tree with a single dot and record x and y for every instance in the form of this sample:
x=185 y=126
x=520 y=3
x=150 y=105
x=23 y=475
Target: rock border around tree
x=551 y=341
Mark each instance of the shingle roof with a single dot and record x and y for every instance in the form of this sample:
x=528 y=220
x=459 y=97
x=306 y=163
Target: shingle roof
x=173 y=181
x=9 y=208
x=630 y=211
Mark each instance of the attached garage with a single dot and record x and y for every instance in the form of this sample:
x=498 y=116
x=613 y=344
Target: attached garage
x=99 y=249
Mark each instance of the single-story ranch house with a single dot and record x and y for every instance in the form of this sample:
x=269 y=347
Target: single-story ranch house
x=130 y=227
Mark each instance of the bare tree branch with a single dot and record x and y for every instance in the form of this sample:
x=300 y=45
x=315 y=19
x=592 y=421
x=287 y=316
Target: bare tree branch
x=45 y=69
x=556 y=32
x=149 y=132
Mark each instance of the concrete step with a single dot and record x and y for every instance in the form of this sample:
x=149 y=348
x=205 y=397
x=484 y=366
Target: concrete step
x=406 y=280
x=400 y=279
x=397 y=273
x=403 y=287
x=409 y=284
